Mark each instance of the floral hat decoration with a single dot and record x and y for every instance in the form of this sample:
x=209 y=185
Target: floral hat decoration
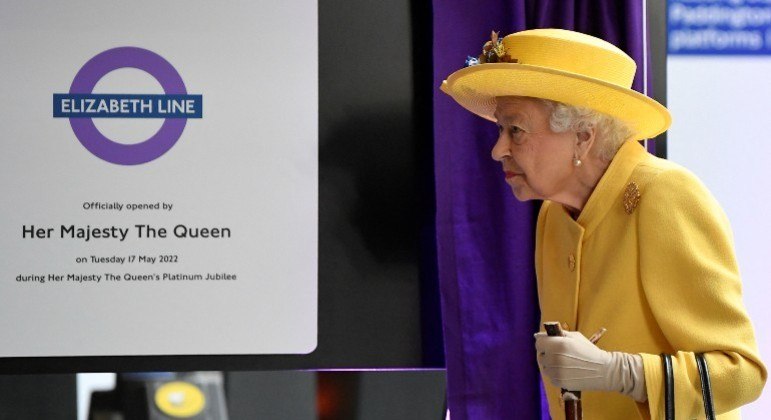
x=492 y=52
x=559 y=65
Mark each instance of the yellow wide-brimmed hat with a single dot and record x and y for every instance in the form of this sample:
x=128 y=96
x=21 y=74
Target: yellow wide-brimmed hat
x=560 y=65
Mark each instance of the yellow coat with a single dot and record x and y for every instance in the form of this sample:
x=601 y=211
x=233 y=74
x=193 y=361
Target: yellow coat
x=662 y=278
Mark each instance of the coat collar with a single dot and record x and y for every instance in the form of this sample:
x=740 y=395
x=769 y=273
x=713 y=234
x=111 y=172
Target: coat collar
x=610 y=190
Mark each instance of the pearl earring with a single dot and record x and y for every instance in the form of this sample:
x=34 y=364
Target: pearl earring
x=577 y=162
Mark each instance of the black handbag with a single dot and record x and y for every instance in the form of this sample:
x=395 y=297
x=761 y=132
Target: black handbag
x=669 y=387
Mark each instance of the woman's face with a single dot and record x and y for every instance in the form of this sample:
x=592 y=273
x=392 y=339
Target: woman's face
x=537 y=162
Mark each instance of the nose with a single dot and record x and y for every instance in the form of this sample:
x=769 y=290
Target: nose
x=501 y=149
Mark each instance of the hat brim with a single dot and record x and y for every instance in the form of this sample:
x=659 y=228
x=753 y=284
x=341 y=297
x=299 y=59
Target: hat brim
x=476 y=87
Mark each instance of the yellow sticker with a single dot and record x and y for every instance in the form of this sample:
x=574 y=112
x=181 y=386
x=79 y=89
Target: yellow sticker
x=180 y=399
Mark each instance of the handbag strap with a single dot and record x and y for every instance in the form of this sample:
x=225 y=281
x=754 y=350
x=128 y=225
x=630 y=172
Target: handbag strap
x=669 y=387
x=706 y=386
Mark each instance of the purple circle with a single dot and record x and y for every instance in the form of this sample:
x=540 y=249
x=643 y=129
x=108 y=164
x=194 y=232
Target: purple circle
x=128 y=154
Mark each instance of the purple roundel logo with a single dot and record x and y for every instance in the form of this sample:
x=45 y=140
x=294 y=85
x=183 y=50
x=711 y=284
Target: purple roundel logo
x=81 y=105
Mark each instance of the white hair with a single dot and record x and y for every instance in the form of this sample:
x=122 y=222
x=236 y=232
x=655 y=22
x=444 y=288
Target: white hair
x=611 y=132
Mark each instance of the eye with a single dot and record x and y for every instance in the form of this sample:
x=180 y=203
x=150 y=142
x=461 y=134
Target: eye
x=517 y=135
x=512 y=131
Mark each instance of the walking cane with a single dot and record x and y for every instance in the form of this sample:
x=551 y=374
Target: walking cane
x=571 y=399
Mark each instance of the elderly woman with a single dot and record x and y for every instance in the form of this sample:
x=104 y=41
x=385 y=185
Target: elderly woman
x=624 y=240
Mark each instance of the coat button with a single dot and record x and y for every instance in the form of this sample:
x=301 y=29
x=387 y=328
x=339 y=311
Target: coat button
x=572 y=262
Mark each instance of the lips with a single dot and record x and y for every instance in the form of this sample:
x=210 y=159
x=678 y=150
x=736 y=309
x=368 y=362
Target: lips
x=510 y=174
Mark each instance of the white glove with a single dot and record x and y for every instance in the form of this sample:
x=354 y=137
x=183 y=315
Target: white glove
x=574 y=363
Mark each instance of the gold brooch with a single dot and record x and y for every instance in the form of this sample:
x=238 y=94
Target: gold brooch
x=631 y=197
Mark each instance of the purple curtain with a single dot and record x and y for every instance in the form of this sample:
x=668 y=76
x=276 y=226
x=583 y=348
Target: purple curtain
x=484 y=236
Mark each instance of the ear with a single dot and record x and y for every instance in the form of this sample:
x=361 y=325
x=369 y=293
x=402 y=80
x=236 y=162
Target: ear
x=585 y=140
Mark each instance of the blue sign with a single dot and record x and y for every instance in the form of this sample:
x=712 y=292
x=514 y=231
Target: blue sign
x=719 y=27
x=127 y=106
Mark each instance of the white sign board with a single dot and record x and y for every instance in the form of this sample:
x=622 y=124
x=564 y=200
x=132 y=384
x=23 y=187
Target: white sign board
x=159 y=178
